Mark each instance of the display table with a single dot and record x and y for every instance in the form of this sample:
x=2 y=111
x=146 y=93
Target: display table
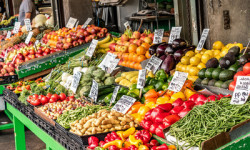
x=19 y=121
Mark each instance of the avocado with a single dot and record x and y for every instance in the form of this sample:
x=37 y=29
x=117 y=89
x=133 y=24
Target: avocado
x=201 y=73
x=216 y=73
x=234 y=67
x=232 y=59
x=198 y=81
x=224 y=63
x=230 y=54
x=212 y=82
x=235 y=50
x=205 y=81
x=218 y=83
x=208 y=73
x=212 y=63
x=244 y=59
x=226 y=75
x=226 y=84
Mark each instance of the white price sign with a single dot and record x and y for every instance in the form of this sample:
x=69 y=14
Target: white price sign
x=175 y=34
x=153 y=64
x=141 y=79
x=27 y=24
x=158 y=36
x=124 y=104
x=8 y=34
x=127 y=25
x=16 y=27
x=86 y=23
x=28 y=37
x=68 y=83
x=3 y=16
x=114 y=95
x=94 y=91
x=203 y=39
x=91 y=48
x=109 y=63
x=241 y=91
x=71 y=23
x=178 y=81
x=76 y=25
x=6 y=54
x=76 y=79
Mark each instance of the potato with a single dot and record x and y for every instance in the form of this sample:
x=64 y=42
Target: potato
x=112 y=129
x=98 y=129
x=118 y=127
x=106 y=130
x=125 y=127
x=87 y=133
x=122 y=123
x=115 y=122
x=94 y=130
x=78 y=132
x=112 y=117
x=79 y=126
x=106 y=121
x=131 y=124
x=83 y=131
x=108 y=126
x=88 y=124
x=98 y=121
x=82 y=121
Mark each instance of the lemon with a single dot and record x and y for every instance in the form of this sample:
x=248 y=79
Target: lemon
x=183 y=68
x=223 y=53
x=216 y=53
x=201 y=66
x=178 y=66
x=193 y=78
x=209 y=52
x=189 y=67
x=193 y=71
x=198 y=55
x=185 y=60
x=218 y=57
x=190 y=54
x=205 y=58
x=218 y=45
x=197 y=51
x=195 y=61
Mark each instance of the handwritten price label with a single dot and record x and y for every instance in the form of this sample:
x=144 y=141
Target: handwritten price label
x=16 y=27
x=27 y=24
x=92 y=48
x=124 y=104
x=158 y=36
x=127 y=25
x=153 y=64
x=94 y=91
x=8 y=34
x=114 y=95
x=178 y=81
x=242 y=90
x=86 y=23
x=203 y=39
x=71 y=23
x=175 y=34
x=141 y=79
x=28 y=37
x=76 y=79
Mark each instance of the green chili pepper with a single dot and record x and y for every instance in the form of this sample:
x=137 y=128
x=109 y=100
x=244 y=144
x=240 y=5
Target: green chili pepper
x=165 y=86
x=108 y=98
x=152 y=81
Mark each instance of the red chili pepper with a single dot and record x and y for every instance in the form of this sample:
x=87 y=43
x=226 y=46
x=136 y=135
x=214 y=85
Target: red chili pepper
x=160 y=117
x=178 y=102
x=115 y=136
x=171 y=119
x=188 y=104
x=162 y=147
x=132 y=147
x=166 y=107
x=113 y=147
x=184 y=112
x=200 y=103
x=101 y=143
x=146 y=124
x=143 y=135
x=153 y=127
x=159 y=131
x=154 y=148
x=177 y=109
x=93 y=142
x=201 y=98
x=194 y=97
x=211 y=98
x=148 y=115
x=154 y=143
x=220 y=96
x=156 y=112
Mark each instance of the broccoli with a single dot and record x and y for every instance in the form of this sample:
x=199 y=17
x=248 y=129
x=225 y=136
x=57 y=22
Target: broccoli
x=99 y=73
x=109 y=81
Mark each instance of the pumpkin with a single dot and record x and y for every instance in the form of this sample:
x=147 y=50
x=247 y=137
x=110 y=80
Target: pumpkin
x=140 y=50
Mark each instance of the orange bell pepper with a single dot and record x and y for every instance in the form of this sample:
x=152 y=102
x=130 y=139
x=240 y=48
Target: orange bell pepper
x=170 y=93
x=151 y=94
x=136 y=107
x=160 y=93
x=150 y=100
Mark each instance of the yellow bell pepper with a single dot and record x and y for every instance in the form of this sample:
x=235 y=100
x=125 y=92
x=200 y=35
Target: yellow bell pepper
x=126 y=144
x=117 y=143
x=143 y=110
x=151 y=105
x=137 y=117
x=162 y=100
x=177 y=95
x=143 y=147
x=120 y=134
x=188 y=93
x=134 y=141
x=150 y=74
x=128 y=132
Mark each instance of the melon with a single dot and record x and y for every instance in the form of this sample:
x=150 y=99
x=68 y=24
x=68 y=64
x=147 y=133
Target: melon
x=50 y=22
x=40 y=20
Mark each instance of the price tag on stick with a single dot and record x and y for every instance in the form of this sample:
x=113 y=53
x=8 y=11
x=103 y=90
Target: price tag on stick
x=27 y=41
x=94 y=91
x=16 y=27
x=178 y=81
x=114 y=95
x=124 y=104
x=76 y=79
x=203 y=39
x=27 y=24
x=86 y=23
x=76 y=25
x=175 y=34
x=141 y=79
x=241 y=91
x=92 y=48
x=158 y=36
x=153 y=64
x=8 y=34
x=127 y=25
x=71 y=23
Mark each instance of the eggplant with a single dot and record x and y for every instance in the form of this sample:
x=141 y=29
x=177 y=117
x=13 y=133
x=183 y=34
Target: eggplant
x=169 y=50
x=179 y=44
x=178 y=54
x=152 y=49
x=161 y=49
x=168 y=64
x=163 y=57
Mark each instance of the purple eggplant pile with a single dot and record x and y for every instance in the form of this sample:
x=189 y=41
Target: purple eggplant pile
x=170 y=54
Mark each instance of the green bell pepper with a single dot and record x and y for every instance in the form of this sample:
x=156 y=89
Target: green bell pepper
x=133 y=86
x=135 y=91
x=143 y=100
x=152 y=81
x=161 y=75
x=108 y=98
x=170 y=79
x=165 y=86
x=158 y=85
x=147 y=88
x=133 y=95
x=147 y=81
x=123 y=90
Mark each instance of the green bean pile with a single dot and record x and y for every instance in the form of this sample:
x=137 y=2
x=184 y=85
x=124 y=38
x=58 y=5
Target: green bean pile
x=206 y=121
x=70 y=116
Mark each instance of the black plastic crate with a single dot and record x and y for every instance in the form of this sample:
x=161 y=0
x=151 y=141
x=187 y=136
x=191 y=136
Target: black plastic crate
x=61 y=129
x=8 y=79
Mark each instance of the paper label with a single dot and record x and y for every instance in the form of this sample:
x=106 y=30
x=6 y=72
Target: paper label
x=178 y=81
x=124 y=104
x=27 y=24
x=6 y=54
x=94 y=91
x=86 y=23
x=76 y=79
x=68 y=83
x=158 y=36
x=203 y=39
x=109 y=63
x=8 y=34
x=76 y=25
x=71 y=23
x=114 y=95
x=3 y=16
x=241 y=91
x=92 y=48
x=14 y=59
x=153 y=64
x=127 y=25
x=27 y=41
x=141 y=79
x=16 y=27
x=175 y=34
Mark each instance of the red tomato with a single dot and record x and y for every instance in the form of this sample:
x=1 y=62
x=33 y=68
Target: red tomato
x=62 y=96
x=44 y=100
x=55 y=97
x=246 y=68
x=71 y=98
x=240 y=73
x=232 y=85
x=35 y=102
x=30 y=98
x=35 y=96
x=49 y=95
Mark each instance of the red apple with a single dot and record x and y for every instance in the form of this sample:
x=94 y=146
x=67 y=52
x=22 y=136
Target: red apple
x=88 y=39
x=104 y=30
x=47 y=50
x=39 y=51
x=100 y=35
x=32 y=52
x=112 y=46
x=6 y=74
x=12 y=73
x=3 y=71
x=124 y=38
x=27 y=58
x=25 y=53
x=20 y=56
x=44 y=53
x=136 y=35
x=81 y=41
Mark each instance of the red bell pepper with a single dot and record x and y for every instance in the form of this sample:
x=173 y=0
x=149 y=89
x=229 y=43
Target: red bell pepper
x=143 y=135
x=154 y=143
x=160 y=117
x=132 y=147
x=177 y=109
x=153 y=127
x=153 y=148
x=166 y=107
x=211 y=98
x=124 y=149
x=113 y=147
x=162 y=147
x=115 y=136
x=171 y=119
x=188 y=104
x=146 y=124
x=200 y=103
x=159 y=131
x=184 y=112
x=156 y=112
x=101 y=143
x=93 y=142
x=178 y=102
x=148 y=115
x=201 y=98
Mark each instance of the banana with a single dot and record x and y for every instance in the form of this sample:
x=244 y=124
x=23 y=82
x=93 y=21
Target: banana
x=106 y=40
x=106 y=45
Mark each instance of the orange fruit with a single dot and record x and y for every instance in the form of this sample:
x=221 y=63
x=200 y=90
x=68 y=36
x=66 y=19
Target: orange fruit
x=127 y=63
x=132 y=48
x=135 y=56
x=131 y=64
x=123 y=63
x=130 y=56
x=125 y=56
x=145 y=45
x=140 y=50
x=141 y=58
x=147 y=55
